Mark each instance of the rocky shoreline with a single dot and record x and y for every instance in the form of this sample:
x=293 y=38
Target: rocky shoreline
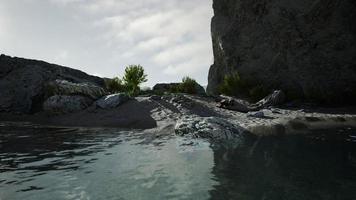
x=53 y=95
x=195 y=116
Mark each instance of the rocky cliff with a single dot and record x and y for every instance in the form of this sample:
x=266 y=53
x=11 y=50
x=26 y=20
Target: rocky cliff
x=306 y=48
x=23 y=82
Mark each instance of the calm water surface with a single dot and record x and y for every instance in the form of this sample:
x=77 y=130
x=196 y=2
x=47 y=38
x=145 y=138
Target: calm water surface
x=42 y=163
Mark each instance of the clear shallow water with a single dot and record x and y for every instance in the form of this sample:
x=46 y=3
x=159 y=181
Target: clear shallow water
x=68 y=163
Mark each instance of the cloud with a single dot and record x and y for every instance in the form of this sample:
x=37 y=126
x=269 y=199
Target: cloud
x=174 y=37
x=169 y=38
x=61 y=56
x=66 y=2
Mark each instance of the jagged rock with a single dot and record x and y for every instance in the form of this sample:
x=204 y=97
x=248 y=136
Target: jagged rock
x=66 y=104
x=274 y=99
x=214 y=128
x=234 y=104
x=112 y=101
x=63 y=87
x=23 y=81
x=306 y=48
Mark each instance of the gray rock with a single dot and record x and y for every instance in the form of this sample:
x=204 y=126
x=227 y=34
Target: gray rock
x=305 y=48
x=234 y=104
x=216 y=129
x=63 y=87
x=66 y=104
x=23 y=82
x=155 y=97
x=200 y=89
x=274 y=99
x=259 y=114
x=112 y=101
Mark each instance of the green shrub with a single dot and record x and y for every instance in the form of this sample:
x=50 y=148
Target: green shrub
x=175 y=89
x=114 y=85
x=134 y=76
x=232 y=85
x=188 y=86
x=257 y=93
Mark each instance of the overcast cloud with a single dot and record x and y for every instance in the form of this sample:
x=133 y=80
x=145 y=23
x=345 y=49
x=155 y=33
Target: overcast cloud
x=170 y=38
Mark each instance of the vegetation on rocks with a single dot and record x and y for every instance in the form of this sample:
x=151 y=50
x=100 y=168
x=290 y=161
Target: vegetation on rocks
x=134 y=76
x=115 y=85
x=130 y=83
x=188 y=86
x=235 y=85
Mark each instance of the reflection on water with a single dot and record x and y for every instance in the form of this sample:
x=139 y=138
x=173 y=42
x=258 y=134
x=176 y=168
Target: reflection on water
x=319 y=166
x=72 y=163
x=66 y=163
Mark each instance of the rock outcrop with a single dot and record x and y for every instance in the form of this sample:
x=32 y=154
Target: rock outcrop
x=63 y=87
x=66 y=104
x=23 y=82
x=305 y=48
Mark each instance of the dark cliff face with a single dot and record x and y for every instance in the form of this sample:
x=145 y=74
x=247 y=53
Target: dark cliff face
x=306 y=48
x=23 y=81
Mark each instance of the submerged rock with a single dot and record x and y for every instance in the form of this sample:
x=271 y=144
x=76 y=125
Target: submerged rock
x=63 y=87
x=214 y=128
x=66 y=104
x=112 y=101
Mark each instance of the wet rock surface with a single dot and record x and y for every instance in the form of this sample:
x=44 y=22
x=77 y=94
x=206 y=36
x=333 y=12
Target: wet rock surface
x=213 y=128
x=112 y=101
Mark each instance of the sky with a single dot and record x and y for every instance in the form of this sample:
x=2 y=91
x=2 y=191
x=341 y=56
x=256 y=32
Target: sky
x=169 y=38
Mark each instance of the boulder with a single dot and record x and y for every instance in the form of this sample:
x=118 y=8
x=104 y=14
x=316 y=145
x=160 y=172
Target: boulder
x=23 y=82
x=66 y=104
x=112 y=101
x=63 y=87
x=305 y=48
x=213 y=128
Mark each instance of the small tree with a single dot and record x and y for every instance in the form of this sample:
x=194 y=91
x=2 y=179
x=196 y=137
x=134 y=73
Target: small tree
x=188 y=85
x=134 y=76
x=115 y=85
